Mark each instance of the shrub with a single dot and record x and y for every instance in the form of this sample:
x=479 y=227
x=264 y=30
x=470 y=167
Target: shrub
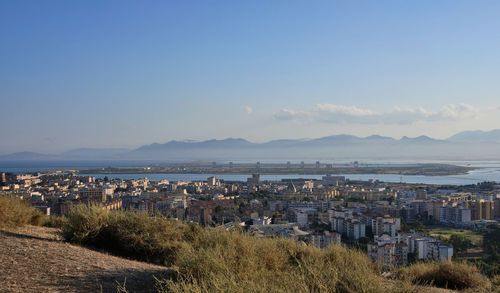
x=495 y=281
x=236 y=262
x=129 y=234
x=55 y=221
x=15 y=212
x=212 y=259
x=450 y=275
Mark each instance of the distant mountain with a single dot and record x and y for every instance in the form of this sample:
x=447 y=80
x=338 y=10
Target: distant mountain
x=213 y=143
x=469 y=145
x=477 y=136
x=93 y=153
x=420 y=139
x=26 y=156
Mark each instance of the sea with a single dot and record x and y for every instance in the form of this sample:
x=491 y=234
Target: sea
x=486 y=171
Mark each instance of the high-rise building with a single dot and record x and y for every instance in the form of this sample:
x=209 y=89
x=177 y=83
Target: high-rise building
x=455 y=215
x=496 y=206
x=421 y=194
x=212 y=181
x=482 y=209
x=255 y=179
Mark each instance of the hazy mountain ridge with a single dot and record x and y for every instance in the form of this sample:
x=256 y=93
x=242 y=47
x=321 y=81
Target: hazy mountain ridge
x=467 y=144
x=477 y=136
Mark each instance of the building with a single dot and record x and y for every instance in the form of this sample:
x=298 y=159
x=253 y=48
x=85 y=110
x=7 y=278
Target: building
x=426 y=247
x=94 y=194
x=212 y=181
x=302 y=219
x=325 y=239
x=354 y=229
x=455 y=215
x=386 y=225
x=481 y=209
x=421 y=194
x=254 y=180
x=333 y=180
x=388 y=251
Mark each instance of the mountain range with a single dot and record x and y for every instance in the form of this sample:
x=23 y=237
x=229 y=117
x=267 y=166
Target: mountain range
x=467 y=145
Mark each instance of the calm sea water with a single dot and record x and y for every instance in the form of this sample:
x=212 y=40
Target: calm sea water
x=19 y=167
x=489 y=171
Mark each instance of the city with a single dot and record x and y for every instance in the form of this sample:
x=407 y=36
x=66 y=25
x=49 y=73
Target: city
x=395 y=223
x=250 y=146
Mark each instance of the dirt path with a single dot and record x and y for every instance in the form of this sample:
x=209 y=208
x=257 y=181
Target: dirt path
x=34 y=259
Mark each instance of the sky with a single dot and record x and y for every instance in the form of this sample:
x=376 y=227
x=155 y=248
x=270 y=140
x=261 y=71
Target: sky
x=109 y=74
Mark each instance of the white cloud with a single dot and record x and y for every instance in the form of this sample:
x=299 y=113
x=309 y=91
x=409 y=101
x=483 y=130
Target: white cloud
x=248 y=109
x=455 y=112
x=337 y=114
x=287 y=114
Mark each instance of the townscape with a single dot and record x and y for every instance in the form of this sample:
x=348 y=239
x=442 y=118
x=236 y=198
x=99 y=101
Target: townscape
x=395 y=223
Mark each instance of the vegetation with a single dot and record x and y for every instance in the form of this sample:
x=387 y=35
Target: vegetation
x=55 y=221
x=212 y=259
x=450 y=275
x=490 y=262
x=460 y=242
x=472 y=238
x=15 y=212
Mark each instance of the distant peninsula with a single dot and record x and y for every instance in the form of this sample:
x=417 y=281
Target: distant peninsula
x=286 y=169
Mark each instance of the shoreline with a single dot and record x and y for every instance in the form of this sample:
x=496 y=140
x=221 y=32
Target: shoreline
x=422 y=170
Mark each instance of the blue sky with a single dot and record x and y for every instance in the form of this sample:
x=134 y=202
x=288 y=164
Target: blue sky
x=128 y=73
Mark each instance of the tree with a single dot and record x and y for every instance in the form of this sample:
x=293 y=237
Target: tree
x=491 y=243
x=460 y=242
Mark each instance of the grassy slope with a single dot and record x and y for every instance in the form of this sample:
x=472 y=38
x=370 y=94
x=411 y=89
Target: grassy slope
x=212 y=259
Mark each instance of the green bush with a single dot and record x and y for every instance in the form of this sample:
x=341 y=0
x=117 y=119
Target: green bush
x=450 y=275
x=15 y=212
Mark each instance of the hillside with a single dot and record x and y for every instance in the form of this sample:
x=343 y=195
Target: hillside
x=35 y=259
x=194 y=258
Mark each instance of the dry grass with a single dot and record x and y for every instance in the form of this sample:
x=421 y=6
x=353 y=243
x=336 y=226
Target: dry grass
x=495 y=281
x=55 y=221
x=235 y=262
x=214 y=260
x=451 y=275
x=15 y=212
x=208 y=259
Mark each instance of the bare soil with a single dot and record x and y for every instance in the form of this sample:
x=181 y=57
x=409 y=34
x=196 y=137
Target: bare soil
x=35 y=259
